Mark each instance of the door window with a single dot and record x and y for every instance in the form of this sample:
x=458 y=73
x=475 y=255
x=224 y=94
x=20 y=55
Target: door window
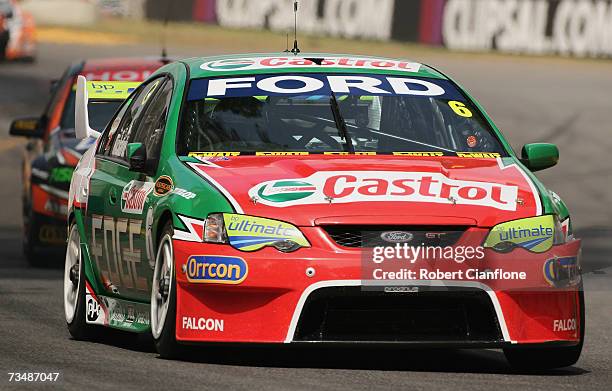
x=151 y=127
x=130 y=119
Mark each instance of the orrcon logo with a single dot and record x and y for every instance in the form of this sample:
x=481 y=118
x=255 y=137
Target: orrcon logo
x=340 y=187
x=285 y=191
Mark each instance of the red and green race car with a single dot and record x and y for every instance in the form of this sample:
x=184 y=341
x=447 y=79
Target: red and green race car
x=274 y=199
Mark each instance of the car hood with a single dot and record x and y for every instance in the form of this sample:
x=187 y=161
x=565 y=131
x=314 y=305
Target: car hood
x=315 y=190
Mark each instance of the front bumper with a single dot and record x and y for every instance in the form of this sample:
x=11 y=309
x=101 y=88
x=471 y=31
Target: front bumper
x=273 y=302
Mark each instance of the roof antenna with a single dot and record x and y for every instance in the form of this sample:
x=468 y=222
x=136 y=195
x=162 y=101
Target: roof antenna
x=164 y=54
x=296 y=49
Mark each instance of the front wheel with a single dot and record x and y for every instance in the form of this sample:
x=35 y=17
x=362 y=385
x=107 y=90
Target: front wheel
x=548 y=358
x=75 y=308
x=163 y=298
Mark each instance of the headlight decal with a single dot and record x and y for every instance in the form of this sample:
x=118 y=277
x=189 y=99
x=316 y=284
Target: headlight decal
x=536 y=234
x=249 y=233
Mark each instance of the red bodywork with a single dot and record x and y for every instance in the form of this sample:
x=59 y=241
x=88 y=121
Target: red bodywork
x=266 y=306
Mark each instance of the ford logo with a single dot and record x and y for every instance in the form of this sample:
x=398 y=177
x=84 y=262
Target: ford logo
x=397 y=236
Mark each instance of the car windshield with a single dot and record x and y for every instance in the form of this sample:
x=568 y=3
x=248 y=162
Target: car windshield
x=323 y=113
x=100 y=113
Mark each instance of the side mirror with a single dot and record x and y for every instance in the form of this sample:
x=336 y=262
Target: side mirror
x=137 y=157
x=27 y=127
x=81 y=115
x=540 y=156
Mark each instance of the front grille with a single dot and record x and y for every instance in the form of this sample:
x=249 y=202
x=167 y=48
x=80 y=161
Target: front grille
x=343 y=314
x=373 y=235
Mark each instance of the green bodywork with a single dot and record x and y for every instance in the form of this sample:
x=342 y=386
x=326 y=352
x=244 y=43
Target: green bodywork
x=131 y=230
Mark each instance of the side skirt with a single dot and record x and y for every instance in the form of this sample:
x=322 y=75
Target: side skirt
x=116 y=313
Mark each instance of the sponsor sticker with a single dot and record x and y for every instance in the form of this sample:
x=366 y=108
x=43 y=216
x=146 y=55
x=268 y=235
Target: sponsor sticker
x=349 y=153
x=271 y=63
x=95 y=312
x=419 y=154
x=560 y=272
x=282 y=153
x=564 y=324
x=471 y=141
x=127 y=315
x=134 y=196
x=163 y=185
x=383 y=186
x=56 y=207
x=119 y=76
x=61 y=174
x=110 y=90
x=248 y=233
x=213 y=154
x=202 y=324
x=534 y=234
x=184 y=193
x=119 y=246
x=213 y=269
x=52 y=234
x=479 y=155
x=320 y=84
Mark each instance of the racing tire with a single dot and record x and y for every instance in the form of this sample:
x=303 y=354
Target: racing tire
x=163 y=298
x=75 y=306
x=549 y=358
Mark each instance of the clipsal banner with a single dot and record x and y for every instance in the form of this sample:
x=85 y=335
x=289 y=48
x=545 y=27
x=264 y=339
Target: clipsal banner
x=575 y=27
x=345 y=18
x=326 y=187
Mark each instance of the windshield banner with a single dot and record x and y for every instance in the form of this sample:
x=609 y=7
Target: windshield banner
x=319 y=85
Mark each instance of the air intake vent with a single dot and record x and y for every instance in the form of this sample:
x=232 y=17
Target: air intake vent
x=344 y=314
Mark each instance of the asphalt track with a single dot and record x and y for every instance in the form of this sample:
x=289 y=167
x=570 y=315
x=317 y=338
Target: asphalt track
x=562 y=101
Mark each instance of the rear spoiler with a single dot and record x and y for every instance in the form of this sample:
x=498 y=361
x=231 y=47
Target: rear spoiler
x=97 y=91
x=81 y=115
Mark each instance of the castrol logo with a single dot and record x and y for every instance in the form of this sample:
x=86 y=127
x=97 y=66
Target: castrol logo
x=383 y=186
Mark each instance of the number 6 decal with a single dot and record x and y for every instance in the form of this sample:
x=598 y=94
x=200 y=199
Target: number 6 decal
x=460 y=109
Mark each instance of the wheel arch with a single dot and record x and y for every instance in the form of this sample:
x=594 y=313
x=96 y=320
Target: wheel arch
x=70 y=220
x=165 y=217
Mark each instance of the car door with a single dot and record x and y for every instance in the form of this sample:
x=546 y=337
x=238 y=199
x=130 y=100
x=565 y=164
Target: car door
x=118 y=203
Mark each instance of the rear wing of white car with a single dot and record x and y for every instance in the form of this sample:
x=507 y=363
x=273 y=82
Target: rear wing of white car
x=97 y=91
x=81 y=115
